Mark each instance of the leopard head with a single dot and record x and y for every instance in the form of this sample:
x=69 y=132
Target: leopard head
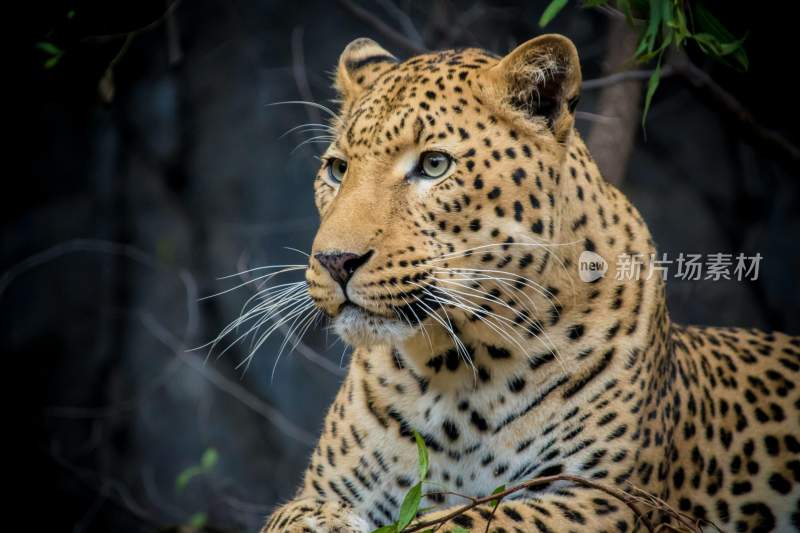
x=439 y=194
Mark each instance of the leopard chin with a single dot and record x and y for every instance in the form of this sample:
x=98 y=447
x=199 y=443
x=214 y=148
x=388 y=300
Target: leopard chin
x=359 y=328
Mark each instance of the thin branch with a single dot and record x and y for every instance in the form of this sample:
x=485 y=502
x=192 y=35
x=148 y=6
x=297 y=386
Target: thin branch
x=160 y=333
x=619 y=494
x=300 y=75
x=174 y=51
x=729 y=103
x=152 y=25
x=403 y=20
x=108 y=487
x=383 y=28
x=625 y=75
x=228 y=386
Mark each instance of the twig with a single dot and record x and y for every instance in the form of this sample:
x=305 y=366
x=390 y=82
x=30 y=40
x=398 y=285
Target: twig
x=300 y=76
x=403 y=20
x=110 y=488
x=152 y=25
x=729 y=103
x=594 y=117
x=619 y=494
x=162 y=334
x=625 y=75
x=105 y=87
x=389 y=32
x=73 y=246
x=174 y=52
x=233 y=389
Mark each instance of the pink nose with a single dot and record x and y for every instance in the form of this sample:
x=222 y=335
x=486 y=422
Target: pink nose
x=342 y=265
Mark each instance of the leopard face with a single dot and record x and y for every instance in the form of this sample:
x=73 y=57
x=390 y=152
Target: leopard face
x=439 y=195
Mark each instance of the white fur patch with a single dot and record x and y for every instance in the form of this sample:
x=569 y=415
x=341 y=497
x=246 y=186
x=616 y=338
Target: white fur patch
x=359 y=328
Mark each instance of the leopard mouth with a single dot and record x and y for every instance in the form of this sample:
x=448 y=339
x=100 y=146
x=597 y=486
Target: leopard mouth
x=414 y=310
x=358 y=326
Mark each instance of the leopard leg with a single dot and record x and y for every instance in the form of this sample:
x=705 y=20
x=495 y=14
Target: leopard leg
x=315 y=515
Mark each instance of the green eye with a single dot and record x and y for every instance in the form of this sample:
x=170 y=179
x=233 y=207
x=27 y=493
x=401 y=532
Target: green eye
x=434 y=164
x=337 y=168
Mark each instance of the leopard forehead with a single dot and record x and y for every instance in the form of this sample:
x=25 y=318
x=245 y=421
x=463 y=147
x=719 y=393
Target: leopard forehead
x=439 y=98
x=439 y=102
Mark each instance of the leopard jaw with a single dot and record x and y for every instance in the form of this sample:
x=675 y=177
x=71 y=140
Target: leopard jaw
x=358 y=327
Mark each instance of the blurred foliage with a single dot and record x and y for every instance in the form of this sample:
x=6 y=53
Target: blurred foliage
x=207 y=463
x=198 y=520
x=666 y=23
x=53 y=52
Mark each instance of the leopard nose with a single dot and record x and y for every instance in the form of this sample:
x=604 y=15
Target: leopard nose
x=342 y=265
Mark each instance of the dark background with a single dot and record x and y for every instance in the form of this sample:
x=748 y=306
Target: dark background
x=136 y=203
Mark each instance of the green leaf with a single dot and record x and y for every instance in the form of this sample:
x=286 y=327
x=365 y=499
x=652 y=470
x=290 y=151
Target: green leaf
x=648 y=42
x=198 y=520
x=52 y=62
x=391 y=528
x=625 y=7
x=209 y=459
x=680 y=28
x=551 y=11
x=49 y=48
x=707 y=22
x=408 y=509
x=422 y=451
x=186 y=476
x=207 y=462
x=494 y=503
x=652 y=85
x=711 y=25
x=459 y=529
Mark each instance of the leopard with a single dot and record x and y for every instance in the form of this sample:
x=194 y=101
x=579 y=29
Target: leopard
x=457 y=204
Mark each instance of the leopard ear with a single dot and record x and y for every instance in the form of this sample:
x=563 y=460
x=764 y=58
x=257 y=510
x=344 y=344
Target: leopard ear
x=541 y=78
x=360 y=64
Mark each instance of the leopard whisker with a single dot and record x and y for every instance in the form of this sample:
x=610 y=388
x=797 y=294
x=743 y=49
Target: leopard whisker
x=301 y=252
x=461 y=349
x=498 y=274
x=326 y=139
x=420 y=322
x=546 y=341
x=542 y=244
x=464 y=304
x=262 y=316
x=305 y=127
x=301 y=321
x=281 y=297
x=321 y=107
x=292 y=316
x=263 y=278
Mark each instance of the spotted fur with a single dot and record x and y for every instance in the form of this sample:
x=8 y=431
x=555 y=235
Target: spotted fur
x=548 y=374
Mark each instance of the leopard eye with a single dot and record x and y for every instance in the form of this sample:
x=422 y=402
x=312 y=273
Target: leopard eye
x=434 y=164
x=337 y=168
